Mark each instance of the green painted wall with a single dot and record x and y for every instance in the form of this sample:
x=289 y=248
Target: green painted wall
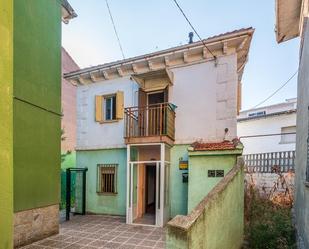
x=6 y=124
x=99 y=203
x=37 y=103
x=68 y=160
x=199 y=164
x=36 y=157
x=220 y=223
x=37 y=52
x=178 y=189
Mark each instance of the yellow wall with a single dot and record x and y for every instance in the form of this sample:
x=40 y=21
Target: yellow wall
x=6 y=124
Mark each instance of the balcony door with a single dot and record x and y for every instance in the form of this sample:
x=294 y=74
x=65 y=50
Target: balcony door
x=155 y=112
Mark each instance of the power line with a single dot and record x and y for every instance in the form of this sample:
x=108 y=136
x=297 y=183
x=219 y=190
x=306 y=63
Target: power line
x=112 y=19
x=270 y=96
x=268 y=135
x=187 y=19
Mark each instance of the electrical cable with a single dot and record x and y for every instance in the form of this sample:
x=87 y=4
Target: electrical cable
x=270 y=96
x=194 y=30
x=114 y=26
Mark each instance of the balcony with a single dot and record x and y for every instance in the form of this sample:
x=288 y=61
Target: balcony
x=150 y=124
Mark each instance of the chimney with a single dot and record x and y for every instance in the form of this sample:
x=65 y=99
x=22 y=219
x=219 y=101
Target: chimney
x=191 y=37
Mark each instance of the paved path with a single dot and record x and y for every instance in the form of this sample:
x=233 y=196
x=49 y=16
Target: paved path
x=98 y=231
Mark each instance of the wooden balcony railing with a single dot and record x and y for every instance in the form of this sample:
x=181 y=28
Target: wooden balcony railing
x=150 y=121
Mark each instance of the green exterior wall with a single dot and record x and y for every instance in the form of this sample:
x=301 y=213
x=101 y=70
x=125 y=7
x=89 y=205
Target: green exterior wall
x=37 y=103
x=199 y=164
x=217 y=222
x=68 y=160
x=178 y=189
x=99 y=203
x=6 y=124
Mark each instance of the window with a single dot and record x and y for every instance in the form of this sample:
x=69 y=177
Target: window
x=109 y=107
x=107 y=178
x=290 y=137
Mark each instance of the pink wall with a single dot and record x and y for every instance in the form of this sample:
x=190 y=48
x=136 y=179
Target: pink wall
x=68 y=100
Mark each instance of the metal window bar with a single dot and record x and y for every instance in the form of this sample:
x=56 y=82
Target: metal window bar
x=107 y=178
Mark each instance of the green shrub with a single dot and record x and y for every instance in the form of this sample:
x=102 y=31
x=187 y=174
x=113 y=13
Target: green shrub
x=268 y=225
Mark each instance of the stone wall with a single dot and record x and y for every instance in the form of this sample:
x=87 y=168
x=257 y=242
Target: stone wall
x=217 y=222
x=35 y=224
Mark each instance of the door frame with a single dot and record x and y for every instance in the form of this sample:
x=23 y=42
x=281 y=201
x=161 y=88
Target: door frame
x=160 y=180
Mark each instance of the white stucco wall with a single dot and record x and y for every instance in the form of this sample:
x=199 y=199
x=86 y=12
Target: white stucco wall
x=204 y=93
x=91 y=134
x=263 y=126
x=206 y=96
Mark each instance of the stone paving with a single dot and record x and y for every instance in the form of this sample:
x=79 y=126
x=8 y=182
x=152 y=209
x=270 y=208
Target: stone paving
x=98 y=231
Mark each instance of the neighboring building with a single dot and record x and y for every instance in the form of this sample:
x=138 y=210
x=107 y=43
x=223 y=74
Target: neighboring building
x=292 y=21
x=138 y=117
x=68 y=122
x=259 y=129
x=30 y=79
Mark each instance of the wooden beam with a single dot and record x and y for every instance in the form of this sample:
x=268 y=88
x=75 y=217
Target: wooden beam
x=120 y=72
x=170 y=75
x=93 y=77
x=105 y=74
x=242 y=44
x=225 y=48
x=150 y=64
x=82 y=80
x=134 y=68
x=166 y=61
x=185 y=57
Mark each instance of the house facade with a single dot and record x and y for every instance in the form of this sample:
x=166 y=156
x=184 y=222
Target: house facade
x=292 y=21
x=268 y=129
x=138 y=118
x=30 y=79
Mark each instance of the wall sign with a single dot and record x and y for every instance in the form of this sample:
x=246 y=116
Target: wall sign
x=183 y=165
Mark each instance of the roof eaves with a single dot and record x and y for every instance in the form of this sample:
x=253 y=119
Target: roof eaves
x=217 y=38
x=69 y=11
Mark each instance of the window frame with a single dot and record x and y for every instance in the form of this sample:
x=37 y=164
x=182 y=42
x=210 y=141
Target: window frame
x=284 y=134
x=113 y=104
x=99 y=178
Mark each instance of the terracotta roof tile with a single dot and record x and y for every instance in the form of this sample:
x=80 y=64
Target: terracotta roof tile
x=224 y=145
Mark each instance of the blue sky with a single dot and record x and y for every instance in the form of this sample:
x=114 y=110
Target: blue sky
x=147 y=26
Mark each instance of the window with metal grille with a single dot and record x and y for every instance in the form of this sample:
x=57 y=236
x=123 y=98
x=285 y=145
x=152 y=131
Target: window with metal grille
x=107 y=178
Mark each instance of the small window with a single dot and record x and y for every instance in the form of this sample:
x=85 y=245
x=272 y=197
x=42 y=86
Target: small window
x=288 y=135
x=107 y=178
x=109 y=107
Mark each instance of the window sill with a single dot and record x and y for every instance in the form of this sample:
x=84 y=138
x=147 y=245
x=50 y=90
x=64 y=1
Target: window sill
x=287 y=142
x=107 y=194
x=109 y=121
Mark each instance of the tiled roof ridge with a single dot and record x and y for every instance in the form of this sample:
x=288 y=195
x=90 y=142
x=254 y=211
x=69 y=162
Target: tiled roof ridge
x=211 y=146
